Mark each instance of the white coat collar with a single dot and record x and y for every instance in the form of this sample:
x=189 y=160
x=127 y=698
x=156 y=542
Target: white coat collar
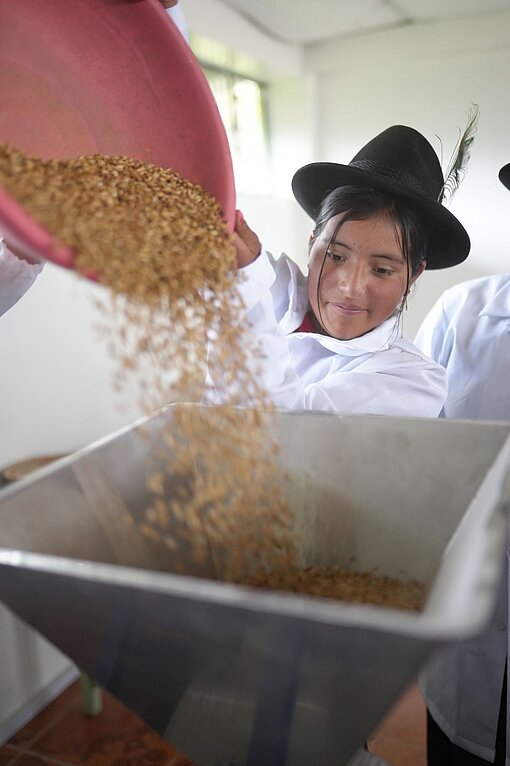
x=499 y=304
x=378 y=339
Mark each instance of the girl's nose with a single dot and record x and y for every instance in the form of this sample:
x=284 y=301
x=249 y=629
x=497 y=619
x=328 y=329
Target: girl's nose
x=353 y=280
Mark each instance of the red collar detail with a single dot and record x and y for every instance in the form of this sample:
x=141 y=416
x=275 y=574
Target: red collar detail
x=306 y=325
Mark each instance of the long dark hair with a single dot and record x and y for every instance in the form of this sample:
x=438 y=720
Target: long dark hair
x=358 y=203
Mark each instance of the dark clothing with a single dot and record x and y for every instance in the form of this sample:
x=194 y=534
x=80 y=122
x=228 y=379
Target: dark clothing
x=442 y=752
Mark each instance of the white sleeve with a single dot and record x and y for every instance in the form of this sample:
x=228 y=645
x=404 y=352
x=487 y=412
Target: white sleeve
x=16 y=276
x=398 y=381
x=274 y=369
x=391 y=383
x=177 y=17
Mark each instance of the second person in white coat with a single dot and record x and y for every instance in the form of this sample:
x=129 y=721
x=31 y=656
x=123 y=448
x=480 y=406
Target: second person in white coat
x=465 y=686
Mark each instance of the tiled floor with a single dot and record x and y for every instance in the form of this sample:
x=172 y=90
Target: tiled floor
x=401 y=738
x=62 y=735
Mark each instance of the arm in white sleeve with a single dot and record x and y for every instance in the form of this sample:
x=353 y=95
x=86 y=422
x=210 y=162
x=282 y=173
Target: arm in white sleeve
x=16 y=276
x=398 y=381
x=415 y=388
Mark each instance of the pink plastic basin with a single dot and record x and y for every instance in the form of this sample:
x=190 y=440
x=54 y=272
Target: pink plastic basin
x=116 y=77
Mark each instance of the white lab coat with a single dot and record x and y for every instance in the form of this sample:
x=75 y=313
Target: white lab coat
x=468 y=331
x=16 y=276
x=378 y=373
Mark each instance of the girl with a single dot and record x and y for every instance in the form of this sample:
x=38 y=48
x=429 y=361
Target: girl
x=332 y=341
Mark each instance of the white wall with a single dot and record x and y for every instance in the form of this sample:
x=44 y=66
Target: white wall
x=215 y=20
x=56 y=393
x=280 y=223
x=55 y=396
x=426 y=76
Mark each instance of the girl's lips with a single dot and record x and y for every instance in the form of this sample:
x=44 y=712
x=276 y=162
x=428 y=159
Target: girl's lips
x=347 y=310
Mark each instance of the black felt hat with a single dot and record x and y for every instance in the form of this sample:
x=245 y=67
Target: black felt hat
x=401 y=161
x=504 y=175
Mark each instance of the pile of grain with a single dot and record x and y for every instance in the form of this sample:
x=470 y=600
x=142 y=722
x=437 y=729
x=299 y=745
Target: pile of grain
x=160 y=246
x=344 y=585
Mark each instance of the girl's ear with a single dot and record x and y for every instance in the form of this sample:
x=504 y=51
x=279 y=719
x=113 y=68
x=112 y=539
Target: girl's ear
x=311 y=238
x=420 y=271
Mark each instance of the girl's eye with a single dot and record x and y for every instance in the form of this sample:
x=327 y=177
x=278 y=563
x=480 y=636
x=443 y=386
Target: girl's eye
x=335 y=257
x=382 y=272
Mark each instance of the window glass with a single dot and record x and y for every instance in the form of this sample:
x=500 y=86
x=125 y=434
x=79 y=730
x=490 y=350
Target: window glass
x=241 y=101
x=241 y=105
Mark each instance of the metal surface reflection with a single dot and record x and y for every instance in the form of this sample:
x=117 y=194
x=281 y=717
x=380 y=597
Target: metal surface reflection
x=241 y=677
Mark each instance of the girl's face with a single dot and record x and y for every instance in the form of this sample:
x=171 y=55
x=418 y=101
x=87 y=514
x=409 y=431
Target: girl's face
x=364 y=277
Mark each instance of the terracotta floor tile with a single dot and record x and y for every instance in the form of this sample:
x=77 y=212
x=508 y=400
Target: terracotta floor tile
x=399 y=753
x=48 y=717
x=401 y=737
x=62 y=735
x=20 y=757
x=115 y=737
x=406 y=720
x=6 y=755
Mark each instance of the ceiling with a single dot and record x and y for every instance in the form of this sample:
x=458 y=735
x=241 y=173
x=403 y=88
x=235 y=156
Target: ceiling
x=304 y=22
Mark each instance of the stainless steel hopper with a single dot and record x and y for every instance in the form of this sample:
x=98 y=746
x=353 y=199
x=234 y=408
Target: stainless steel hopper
x=235 y=677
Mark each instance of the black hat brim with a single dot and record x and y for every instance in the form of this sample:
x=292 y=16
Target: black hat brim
x=449 y=242
x=504 y=175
